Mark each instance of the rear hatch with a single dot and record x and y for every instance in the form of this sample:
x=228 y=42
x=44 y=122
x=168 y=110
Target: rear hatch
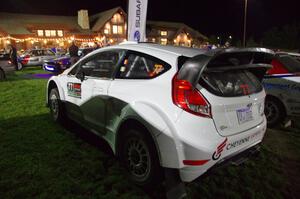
x=230 y=80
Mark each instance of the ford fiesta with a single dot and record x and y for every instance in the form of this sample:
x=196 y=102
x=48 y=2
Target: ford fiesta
x=166 y=107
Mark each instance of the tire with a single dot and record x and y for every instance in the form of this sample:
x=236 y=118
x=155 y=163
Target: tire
x=139 y=156
x=2 y=75
x=274 y=111
x=57 y=110
x=19 y=66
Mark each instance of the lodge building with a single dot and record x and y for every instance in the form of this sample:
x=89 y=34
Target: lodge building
x=27 y=31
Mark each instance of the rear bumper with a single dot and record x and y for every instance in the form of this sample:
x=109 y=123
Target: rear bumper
x=226 y=149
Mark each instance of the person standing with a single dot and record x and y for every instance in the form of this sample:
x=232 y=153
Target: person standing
x=13 y=55
x=73 y=50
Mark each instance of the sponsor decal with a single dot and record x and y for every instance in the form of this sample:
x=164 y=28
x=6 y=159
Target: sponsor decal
x=231 y=145
x=74 y=89
x=237 y=143
x=287 y=87
x=217 y=154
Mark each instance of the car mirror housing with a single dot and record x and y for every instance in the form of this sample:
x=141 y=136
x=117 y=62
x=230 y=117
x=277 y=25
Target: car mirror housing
x=80 y=75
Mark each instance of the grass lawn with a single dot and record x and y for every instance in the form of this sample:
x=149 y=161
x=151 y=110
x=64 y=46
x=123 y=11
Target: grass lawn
x=41 y=159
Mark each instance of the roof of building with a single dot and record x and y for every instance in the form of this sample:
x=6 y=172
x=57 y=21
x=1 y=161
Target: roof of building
x=13 y=23
x=177 y=26
x=98 y=20
x=16 y=24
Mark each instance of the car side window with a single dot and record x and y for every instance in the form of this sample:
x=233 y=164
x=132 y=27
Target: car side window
x=74 y=70
x=103 y=64
x=49 y=53
x=141 y=66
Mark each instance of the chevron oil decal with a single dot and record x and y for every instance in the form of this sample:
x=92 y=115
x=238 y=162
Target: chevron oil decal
x=74 y=89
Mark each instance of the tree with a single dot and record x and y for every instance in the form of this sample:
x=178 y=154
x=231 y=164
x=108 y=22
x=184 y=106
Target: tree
x=286 y=37
x=213 y=39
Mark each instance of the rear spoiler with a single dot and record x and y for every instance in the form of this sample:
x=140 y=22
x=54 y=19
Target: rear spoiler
x=225 y=59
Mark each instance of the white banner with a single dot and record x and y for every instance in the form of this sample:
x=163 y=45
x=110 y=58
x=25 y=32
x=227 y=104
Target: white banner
x=137 y=13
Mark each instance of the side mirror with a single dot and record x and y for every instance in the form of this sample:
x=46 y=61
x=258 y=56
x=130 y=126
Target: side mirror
x=80 y=75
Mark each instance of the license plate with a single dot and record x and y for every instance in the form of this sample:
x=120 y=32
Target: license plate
x=244 y=115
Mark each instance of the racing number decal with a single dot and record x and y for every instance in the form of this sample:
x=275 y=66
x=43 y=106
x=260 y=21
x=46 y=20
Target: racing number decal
x=74 y=89
x=245 y=88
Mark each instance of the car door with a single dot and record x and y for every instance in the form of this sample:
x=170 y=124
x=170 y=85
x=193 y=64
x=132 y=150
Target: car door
x=72 y=92
x=98 y=75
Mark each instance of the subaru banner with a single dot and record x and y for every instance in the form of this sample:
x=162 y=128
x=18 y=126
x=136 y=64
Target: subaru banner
x=137 y=12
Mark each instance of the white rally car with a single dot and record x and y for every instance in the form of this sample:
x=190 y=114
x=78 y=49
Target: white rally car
x=164 y=106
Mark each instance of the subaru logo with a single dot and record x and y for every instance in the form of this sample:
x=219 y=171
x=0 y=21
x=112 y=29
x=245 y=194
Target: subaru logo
x=137 y=36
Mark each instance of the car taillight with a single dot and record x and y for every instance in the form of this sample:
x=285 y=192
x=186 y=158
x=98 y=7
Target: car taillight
x=189 y=98
x=27 y=57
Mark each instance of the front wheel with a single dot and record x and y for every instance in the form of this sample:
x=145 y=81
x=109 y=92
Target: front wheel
x=56 y=106
x=139 y=156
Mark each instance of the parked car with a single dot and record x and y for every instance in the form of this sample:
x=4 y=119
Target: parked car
x=58 y=65
x=167 y=107
x=292 y=54
x=6 y=66
x=36 y=57
x=282 y=85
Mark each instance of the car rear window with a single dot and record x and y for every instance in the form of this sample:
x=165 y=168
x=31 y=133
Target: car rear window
x=231 y=83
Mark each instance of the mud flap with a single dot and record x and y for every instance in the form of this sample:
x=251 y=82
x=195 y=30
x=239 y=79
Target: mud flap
x=175 y=188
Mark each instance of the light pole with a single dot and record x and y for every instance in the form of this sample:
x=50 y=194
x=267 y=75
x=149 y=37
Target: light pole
x=245 y=23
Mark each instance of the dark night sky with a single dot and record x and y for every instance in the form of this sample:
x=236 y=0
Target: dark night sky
x=219 y=17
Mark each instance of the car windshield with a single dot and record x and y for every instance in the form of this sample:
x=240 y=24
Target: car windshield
x=291 y=63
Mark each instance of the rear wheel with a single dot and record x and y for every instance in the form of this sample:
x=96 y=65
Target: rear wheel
x=56 y=106
x=274 y=111
x=2 y=75
x=139 y=156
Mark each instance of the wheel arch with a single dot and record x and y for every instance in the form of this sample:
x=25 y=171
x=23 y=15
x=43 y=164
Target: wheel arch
x=134 y=123
x=53 y=84
x=277 y=99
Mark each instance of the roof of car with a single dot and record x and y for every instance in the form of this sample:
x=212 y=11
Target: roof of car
x=172 y=50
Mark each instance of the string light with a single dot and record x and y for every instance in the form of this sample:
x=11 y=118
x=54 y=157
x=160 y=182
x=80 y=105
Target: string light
x=8 y=38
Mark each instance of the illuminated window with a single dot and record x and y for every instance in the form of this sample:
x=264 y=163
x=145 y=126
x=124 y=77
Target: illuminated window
x=163 y=41
x=47 y=33
x=153 y=40
x=117 y=29
x=40 y=33
x=106 y=31
x=120 y=30
x=53 y=33
x=60 y=33
x=107 y=28
x=163 y=33
x=117 y=18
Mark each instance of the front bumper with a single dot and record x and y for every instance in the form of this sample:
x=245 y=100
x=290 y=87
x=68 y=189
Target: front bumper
x=51 y=67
